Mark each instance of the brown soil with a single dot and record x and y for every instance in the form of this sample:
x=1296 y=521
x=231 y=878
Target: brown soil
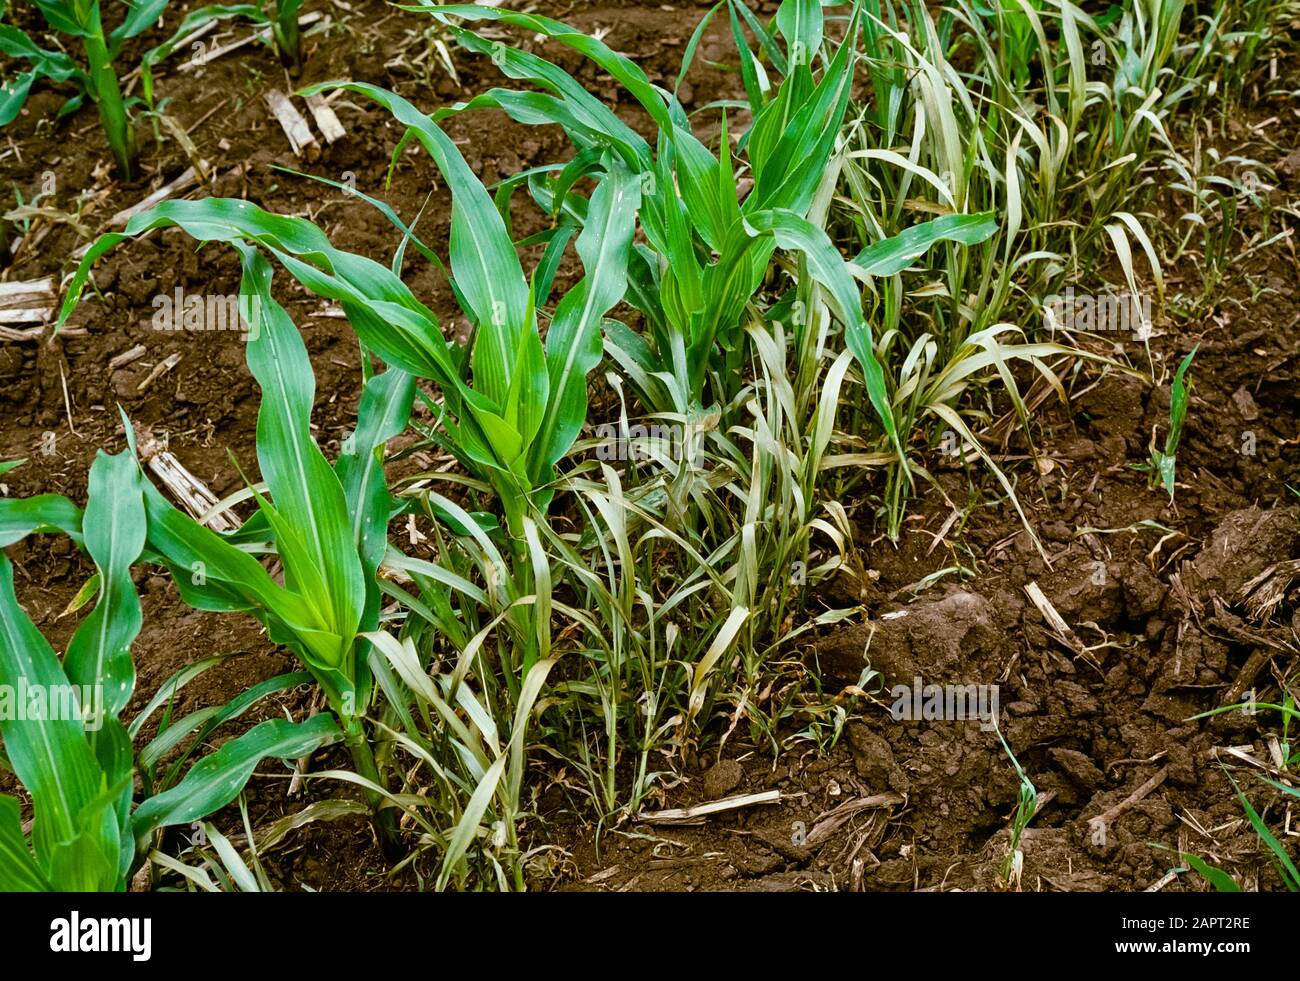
x=1158 y=612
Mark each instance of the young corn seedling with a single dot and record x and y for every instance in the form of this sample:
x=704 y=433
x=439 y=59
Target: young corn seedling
x=81 y=19
x=66 y=742
x=328 y=525
x=1160 y=468
x=1026 y=807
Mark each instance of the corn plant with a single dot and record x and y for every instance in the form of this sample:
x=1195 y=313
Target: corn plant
x=1026 y=808
x=326 y=524
x=67 y=744
x=513 y=407
x=526 y=402
x=1161 y=466
x=99 y=82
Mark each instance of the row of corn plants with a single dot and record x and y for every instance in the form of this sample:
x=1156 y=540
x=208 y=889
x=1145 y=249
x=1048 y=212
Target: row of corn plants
x=769 y=293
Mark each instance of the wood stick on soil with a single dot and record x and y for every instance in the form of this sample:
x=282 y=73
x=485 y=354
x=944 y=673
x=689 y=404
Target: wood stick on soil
x=263 y=35
x=192 y=493
x=1163 y=881
x=35 y=333
x=326 y=121
x=187 y=180
x=184 y=44
x=697 y=814
x=30 y=302
x=299 y=134
x=1108 y=817
x=26 y=315
x=160 y=369
x=12 y=294
x=828 y=823
x=126 y=357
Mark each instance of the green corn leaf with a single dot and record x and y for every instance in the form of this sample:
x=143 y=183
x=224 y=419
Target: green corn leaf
x=794 y=136
x=99 y=654
x=557 y=240
x=896 y=253
x=15 y=44
x=23 y=516
x=528 y=382
x=213 y=574
x=49 y=754
x=387 y=317
x=383 y=414
x=89 y=861
x=483 y=258
x=116 y=756
x=573 y=341
x=698 y=182
x=585 y=118
x=13 y=94
x=621 y=68
x=1179 y=399
x=142 y=16
x=1221 y=881
x=19 y=871
x=800 y=23
x=64 y=17
x=216 y=780
x=301 y=482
